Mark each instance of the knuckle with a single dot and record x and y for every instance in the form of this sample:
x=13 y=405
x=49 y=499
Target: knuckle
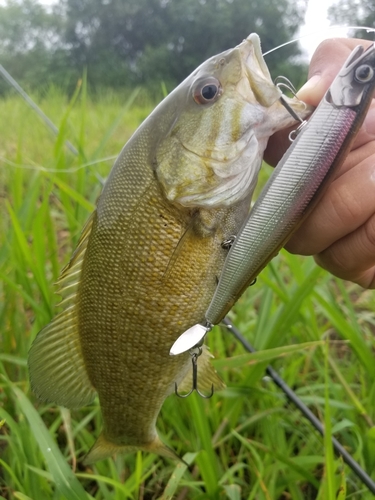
x=344 y=207
x=296 y=246
x=333 y=260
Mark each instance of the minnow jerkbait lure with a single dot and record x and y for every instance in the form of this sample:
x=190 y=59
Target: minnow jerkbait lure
x=320 y=147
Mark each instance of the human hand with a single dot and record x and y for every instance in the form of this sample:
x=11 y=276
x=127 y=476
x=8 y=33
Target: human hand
x=340 y=231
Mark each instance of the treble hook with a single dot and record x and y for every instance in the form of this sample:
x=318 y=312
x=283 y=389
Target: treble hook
x=194 y=359
x=291 y=110
x=283 y=82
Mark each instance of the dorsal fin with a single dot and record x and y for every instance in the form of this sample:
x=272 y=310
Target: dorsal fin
x=56 y=366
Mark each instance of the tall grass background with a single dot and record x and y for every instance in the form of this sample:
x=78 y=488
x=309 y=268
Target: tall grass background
x=247 y=442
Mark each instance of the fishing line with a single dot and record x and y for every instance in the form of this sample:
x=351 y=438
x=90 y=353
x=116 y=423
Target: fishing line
x=321 y=32
x=8 y=77
x=293 y=398
x=40 y=168
x=35 y=107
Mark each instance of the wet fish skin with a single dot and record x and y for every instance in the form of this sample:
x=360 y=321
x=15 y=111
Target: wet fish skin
x=148 y=259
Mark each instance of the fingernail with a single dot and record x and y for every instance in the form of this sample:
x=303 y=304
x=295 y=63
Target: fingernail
x=311 y=83
x=309 y=87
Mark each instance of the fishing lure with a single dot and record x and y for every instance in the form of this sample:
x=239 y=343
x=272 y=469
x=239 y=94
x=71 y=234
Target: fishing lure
x=297 y=183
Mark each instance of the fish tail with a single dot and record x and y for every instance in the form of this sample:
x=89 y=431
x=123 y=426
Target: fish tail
x=103 y=448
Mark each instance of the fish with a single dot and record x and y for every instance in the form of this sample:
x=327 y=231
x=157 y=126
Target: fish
x=319 y=148
x=149 y=257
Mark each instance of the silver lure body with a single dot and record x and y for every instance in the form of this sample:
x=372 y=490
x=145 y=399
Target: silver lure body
x=295 y=186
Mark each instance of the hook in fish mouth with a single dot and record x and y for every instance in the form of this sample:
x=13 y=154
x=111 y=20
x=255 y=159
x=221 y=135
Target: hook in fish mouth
x=282 y=82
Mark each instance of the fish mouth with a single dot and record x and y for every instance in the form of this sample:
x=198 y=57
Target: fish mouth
x=259 y=78
x=256 y=72
x=254 y=40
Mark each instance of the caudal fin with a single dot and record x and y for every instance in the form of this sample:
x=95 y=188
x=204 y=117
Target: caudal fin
x=103 y=449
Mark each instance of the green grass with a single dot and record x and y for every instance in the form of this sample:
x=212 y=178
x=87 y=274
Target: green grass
x=247 y=442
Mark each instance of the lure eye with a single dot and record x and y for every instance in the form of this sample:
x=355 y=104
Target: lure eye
x=364 y=73
x=207 y=90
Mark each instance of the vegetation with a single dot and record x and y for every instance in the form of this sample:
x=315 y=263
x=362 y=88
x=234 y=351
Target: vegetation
x=247 y=442
x=123 y=43
x=354 y=13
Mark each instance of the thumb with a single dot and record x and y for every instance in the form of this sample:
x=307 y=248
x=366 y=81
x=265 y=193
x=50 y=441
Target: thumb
x=325 y=64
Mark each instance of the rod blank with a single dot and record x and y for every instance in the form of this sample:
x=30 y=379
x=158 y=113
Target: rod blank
x=292 y=396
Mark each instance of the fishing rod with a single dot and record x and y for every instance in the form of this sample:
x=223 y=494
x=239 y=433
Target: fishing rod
x=35 y=107
x=293 y=398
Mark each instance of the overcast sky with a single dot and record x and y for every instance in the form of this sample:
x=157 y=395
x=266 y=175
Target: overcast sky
x=316 y=22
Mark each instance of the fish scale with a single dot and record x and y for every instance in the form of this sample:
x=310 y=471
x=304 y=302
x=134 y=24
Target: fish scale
x=142 y=296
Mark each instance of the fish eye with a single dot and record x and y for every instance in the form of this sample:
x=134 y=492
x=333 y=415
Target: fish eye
x=364 y=73
x=207 y=90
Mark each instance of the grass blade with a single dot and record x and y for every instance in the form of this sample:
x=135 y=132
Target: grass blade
x=21 y=496
x=174 y=480
x=329 y=455
x=66 y=482
x=263 y=356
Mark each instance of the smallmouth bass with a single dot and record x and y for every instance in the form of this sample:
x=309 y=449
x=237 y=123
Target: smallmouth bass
x=149 y=257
